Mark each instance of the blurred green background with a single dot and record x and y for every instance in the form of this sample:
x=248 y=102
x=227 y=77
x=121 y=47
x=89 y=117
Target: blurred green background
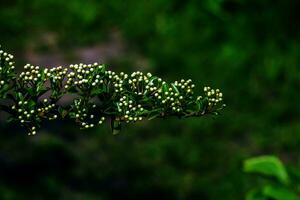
x=248 y=49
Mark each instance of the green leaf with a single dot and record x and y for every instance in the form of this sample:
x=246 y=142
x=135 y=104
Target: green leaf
x=20 y=96
x=174 y=88
x=203 y=104
x=96 y=91
x=279 y=193
x=4 y=89
x=152 y=79
x=267 y=165
x=103 y=68
x=31 y=104
x=63 y=112
x=165 y=88
x=154 y=114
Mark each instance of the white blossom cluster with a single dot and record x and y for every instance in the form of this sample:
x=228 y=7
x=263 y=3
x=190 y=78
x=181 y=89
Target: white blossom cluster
x=33 y=79
x=6 y=68
x=83 y=116
x=34 y=75
x=25 y=114
x=128 y=111
x=29 y=112
x=83 y=76
x=31 y=75
x=132 y=90
x=47 y=109
x=56 y=76
x=178 y=94
x=214 y=96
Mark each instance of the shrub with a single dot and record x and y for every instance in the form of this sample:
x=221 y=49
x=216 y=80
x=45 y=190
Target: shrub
x=36 y=94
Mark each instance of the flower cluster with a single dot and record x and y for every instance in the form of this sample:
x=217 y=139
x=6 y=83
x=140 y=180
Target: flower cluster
x=30 y=113
x=31 y=75
x=84 y=115
x=6 y=72
x=84 y=77
x=26 y=114
x=214 y=96
x=100 y=94
x=56 y=77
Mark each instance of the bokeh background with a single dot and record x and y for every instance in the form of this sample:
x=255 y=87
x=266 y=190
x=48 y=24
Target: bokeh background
x=248 y=49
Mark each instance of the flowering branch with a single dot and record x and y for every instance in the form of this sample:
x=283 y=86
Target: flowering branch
x=35 y=95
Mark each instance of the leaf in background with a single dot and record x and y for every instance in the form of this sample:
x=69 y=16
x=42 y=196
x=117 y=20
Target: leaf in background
x=267 y=165
x=279 y=193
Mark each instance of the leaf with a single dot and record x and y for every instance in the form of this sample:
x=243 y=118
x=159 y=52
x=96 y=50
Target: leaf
x=174 y=88
x=152 y=79
x=103 y=68
x=4 y=88
x=96 y=91
x=72 y=115
x=203 y=104
x=154 y=114
x=118 y=106
x=165 y=88
x=31 y=104
x=199 y=105
x=63 y=112
x=279 y=193
x=20 y=96
x=267 y=165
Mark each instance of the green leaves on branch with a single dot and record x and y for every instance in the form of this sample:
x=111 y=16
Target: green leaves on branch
x=96 y=94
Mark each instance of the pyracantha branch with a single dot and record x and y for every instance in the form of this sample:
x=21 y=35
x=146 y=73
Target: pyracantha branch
x=36 y=94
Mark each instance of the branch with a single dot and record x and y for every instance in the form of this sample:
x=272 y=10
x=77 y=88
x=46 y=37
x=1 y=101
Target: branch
x=100 y=94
